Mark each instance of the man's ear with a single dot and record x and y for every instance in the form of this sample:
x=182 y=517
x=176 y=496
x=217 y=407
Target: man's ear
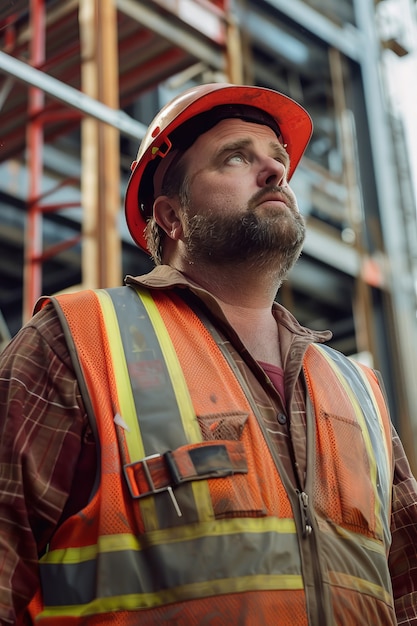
x=166 y=212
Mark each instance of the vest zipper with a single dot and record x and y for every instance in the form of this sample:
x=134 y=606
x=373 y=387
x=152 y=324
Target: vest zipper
x=304 y=510
x=320 y=616
x=322 y=606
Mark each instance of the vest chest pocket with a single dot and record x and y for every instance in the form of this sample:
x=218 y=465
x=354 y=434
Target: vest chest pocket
x=346 y=481
x=237 y=495
x=221 y=461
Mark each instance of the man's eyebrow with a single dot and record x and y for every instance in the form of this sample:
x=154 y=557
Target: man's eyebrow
x=277 y=149
x=231 y=146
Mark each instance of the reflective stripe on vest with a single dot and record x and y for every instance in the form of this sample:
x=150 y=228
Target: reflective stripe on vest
x=185 y=544
x=92 y=569
x=355 y=382
x=142 y=353
x=350 y=410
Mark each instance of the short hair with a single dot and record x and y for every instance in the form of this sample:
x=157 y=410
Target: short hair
x=175 y=184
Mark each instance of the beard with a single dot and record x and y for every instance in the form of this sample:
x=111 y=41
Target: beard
x=270 y=238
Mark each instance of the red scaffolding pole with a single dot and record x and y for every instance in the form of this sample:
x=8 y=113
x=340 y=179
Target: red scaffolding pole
x=32 y=278
x=39 y=115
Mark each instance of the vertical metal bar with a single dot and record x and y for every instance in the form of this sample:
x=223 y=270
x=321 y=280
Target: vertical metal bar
x=401 y=295
x=362 y=305
x=32 y=283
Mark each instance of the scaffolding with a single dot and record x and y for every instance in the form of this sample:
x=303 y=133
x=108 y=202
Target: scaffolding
x=80 y=67
x=80 y=75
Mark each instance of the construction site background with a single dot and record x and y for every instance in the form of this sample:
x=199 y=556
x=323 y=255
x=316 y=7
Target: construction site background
x=81 y=79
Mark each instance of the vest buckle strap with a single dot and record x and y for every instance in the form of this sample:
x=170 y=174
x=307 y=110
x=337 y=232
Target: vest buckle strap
x=153 y=489
x=161 y=472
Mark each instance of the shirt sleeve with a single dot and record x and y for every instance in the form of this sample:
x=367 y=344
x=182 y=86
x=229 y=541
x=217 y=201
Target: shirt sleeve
x=43 y=428
x=403 y=552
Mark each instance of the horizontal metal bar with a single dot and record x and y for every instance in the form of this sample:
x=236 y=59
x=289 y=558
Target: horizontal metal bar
x=348 y=39
x=73 y=98
x=166 y=28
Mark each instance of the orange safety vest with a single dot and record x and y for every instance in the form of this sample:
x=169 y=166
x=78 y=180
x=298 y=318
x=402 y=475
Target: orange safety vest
x=194 y=521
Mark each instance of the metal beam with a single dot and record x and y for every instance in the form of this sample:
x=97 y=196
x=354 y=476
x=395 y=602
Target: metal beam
x=154 y=21
x=71 y=97
x=347 y=38
x=392 y=224
x=332 y=251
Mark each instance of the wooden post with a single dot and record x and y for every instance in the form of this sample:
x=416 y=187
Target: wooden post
x=100 y=150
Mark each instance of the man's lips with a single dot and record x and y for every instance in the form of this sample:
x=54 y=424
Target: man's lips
x=274 y=197
x=273 y=194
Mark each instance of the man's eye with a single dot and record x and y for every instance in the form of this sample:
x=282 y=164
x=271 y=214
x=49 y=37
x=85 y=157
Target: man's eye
x=284 y=159
x=236 y=158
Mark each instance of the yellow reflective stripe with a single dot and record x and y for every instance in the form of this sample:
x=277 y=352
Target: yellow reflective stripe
x=191 y=427
x=126 y=541
x=232 y=526
x=122 y=378
x=71 y=555
x=126 y=406
x=371 y=545
x=378 y=503
x=235 y=533
x=361 y=585
x=277 y=582
x=365 y=432
x=377 y=410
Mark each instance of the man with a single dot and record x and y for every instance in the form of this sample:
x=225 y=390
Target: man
x=181 y=450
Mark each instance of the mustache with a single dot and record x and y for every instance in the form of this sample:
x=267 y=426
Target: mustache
x=266 y=191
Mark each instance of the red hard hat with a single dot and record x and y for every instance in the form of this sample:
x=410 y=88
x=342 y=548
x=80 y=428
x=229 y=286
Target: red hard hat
x=294 y=124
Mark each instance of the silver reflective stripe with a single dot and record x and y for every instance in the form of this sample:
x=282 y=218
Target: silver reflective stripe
x=352 y=550
x=154 y=396
x=254 y=559
x=356 y=379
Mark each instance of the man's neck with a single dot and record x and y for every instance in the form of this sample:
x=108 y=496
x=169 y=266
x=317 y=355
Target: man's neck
x=257 y=329
x=249 y=292
x=246 y=303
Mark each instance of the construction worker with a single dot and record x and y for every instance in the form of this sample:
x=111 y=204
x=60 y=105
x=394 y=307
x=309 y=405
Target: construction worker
x=180 y=450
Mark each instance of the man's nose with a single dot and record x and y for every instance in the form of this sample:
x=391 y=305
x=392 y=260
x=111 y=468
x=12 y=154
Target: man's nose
x=272 y=172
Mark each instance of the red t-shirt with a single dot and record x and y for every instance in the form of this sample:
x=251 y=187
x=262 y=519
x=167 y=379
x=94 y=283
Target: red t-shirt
x=276 y=375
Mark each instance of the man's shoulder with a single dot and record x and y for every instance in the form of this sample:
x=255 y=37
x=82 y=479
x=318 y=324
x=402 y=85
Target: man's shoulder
x=46 y=325
x=38 y=343
x=349 y=361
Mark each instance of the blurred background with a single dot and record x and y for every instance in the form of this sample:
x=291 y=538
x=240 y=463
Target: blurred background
x=81 y=79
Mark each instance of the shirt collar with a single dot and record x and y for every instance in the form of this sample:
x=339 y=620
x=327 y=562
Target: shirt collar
x=166 y=277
